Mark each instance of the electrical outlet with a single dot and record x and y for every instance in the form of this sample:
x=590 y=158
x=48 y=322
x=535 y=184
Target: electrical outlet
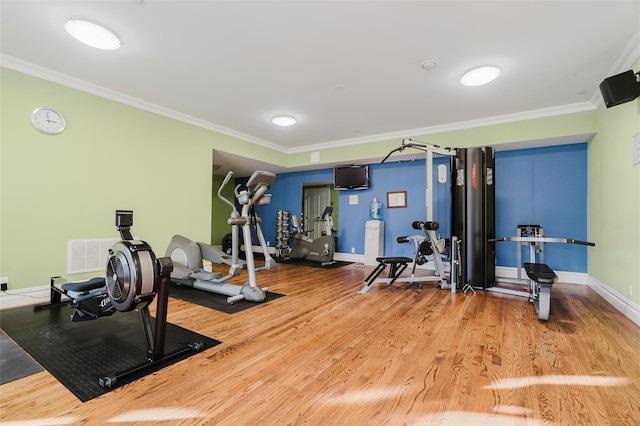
x=630 y=291
x=353 y=250
x=4 y=283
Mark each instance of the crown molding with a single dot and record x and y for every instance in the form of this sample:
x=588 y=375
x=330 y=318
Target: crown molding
x=463 y=125
x=84 y=86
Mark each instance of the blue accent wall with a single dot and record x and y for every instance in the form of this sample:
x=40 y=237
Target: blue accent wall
x=388 y=177
x=392 y=177
x=546 y=186
x=286 y=194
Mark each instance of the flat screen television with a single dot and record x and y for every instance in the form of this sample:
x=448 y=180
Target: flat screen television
x=351 y=177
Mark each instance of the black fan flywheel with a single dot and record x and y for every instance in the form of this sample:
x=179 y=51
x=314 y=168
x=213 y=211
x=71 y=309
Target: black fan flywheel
x=131 y=275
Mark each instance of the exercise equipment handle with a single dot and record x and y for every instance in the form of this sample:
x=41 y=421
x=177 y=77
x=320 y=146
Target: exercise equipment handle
x=584 y=243
x=389 y=154
x=404 y=239
x=428 y=226
x=542 y=240
x=226 y=180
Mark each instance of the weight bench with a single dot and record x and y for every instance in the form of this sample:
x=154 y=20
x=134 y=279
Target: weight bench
x=397 y=265
x=543 y=277
x=424 y=246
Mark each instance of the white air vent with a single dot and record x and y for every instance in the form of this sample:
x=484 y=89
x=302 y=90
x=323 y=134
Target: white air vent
x=88 y=255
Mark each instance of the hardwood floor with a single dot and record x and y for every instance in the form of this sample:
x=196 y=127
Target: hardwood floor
x=326 y=355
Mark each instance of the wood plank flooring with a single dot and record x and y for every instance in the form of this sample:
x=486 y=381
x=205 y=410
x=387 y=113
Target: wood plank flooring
x=326 y=355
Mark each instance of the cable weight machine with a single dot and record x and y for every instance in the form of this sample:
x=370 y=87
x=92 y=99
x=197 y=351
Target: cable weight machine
x=472 y=244
x=472 y=189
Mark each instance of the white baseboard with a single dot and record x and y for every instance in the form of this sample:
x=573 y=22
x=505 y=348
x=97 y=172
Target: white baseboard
x=24 y=297
x=628 y=308
x=349 y=257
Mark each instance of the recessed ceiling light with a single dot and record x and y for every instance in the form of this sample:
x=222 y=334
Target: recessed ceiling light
x=480 y=76
x=92 y=34
x=283 y=120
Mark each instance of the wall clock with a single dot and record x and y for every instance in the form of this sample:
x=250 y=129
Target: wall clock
x=47 y=121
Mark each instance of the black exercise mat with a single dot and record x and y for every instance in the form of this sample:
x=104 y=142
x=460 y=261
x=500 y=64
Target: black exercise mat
x=214 y=301
x=304 y=262
x=79 y=353
x=14 y=362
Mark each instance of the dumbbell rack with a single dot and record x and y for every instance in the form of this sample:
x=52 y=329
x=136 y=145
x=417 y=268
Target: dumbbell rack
x=282 y=233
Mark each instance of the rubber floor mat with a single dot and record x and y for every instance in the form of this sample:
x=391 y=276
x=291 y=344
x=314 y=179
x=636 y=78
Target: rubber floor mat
x=79 y=353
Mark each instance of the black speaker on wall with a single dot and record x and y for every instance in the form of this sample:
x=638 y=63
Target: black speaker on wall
x=620 y=88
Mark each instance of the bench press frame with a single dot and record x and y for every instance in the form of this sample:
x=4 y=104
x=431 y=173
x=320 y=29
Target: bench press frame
x=540 y=276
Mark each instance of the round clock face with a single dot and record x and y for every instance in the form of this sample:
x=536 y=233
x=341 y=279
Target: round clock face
x=47 y=121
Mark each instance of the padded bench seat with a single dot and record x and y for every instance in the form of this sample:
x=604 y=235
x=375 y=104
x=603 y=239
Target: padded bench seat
x=393 y=260
x=74 y=290
x=396 y=266
x=83 y=286
x=86 y=296
x=540 y=273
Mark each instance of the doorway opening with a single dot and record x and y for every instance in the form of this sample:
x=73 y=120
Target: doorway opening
x=315 y=198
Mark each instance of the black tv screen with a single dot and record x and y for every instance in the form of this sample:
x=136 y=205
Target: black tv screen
x=351 y=177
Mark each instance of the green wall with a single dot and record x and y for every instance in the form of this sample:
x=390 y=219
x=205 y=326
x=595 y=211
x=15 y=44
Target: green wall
x=113 y=156
x=110 y=156
x=614 y=199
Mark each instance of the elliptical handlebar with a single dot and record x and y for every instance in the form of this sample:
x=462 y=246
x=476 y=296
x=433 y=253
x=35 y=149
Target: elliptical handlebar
x=226 y=180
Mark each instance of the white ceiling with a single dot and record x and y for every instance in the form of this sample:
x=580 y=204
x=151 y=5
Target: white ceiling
x=346 y=70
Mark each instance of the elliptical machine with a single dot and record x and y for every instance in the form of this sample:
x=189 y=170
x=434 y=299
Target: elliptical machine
x=243 y=196
x=187 y=255
x=319 y=249
x=229 y=254
x=230 y=246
